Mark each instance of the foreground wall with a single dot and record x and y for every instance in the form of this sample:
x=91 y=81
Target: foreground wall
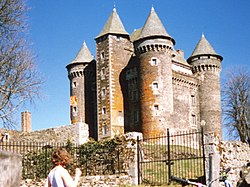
x=234 y=155
x=89 y=181
x=11 y=169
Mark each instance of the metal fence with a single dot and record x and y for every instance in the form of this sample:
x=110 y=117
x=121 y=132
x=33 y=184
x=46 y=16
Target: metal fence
x=176 y=154
x=36 y=158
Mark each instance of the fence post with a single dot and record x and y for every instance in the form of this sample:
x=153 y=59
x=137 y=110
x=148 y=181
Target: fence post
x=46 y=155
x=203 y=152
x=138 y=160
x=118 y=160
x=169 y=159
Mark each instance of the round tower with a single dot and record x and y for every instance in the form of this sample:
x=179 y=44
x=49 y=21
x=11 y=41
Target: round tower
x=154 y=47
x=79 y=74
x=206 y=65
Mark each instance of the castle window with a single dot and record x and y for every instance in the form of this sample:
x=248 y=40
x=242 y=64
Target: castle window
x=156 y=110
x=102 y=55
x=104 y=111
x=102 y=73
x=120 y=114
x=154 y=61
x=120 y=118
x=193 y=119
x=104 y=129
x=103 y=92
x=74 y=84
x=74 y=110
x=155 y=86
x=193 y=100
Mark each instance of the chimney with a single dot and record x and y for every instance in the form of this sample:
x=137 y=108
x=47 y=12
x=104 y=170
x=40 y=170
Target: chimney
x=26 y=121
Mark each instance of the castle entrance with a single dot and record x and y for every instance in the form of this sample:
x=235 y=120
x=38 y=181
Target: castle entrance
x=179 y=154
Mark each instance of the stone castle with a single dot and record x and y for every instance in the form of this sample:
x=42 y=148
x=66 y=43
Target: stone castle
x=139 y=82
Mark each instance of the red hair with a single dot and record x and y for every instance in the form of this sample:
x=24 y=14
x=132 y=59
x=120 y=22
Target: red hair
x=61 y=157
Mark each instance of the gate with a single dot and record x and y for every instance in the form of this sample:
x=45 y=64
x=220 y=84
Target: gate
x=178 y=154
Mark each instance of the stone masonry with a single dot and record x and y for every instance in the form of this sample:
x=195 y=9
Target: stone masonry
x=143 y=84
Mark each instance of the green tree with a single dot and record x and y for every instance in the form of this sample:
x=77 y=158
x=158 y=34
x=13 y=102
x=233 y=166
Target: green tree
x=236 y=103
x=20 y=81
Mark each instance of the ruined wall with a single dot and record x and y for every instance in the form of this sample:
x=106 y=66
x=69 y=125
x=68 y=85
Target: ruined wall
x=77 y=133
x=234 y=155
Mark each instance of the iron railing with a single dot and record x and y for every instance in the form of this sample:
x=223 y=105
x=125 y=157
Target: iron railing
x=36 y=158
x=179 y=154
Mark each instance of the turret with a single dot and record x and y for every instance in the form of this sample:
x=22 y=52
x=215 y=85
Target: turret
x=206 y=65
x=81 y=73
x=113 y=53
x=153 y=48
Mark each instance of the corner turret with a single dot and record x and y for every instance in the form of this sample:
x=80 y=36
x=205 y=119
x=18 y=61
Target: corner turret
x=206 y=64
x=81 y=73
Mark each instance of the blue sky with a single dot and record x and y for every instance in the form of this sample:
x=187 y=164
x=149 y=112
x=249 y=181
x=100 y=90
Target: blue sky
x=59 y=27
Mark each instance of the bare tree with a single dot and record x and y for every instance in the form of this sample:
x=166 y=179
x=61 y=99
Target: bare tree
x=236 y=103
x=19 y=79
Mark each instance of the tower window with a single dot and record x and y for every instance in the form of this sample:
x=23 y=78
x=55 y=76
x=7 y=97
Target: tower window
x=74 y=111
x=74 y=84
x=102 y=73
x=193 y=119
x=104 y=111
x=155 y=86
x=102 y=55
x=104 y=129
x=193 y=100
x=156 y=110
x=154 y=61
x=103 y=92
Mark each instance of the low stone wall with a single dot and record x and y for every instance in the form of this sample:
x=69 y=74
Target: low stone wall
x=234 y=155
x=11 y=169
x=89 y=181
x=77 y=133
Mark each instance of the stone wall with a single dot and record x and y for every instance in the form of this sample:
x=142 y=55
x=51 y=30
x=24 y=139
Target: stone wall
x=77 y=133
x=89 y=181
x=234 y=155
x=11 y=169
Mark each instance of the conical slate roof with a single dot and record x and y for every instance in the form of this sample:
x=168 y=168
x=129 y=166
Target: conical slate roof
x=113 y=25
x=135 y=34
x=84 y=55
x=154 y=27
x=203 y=48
